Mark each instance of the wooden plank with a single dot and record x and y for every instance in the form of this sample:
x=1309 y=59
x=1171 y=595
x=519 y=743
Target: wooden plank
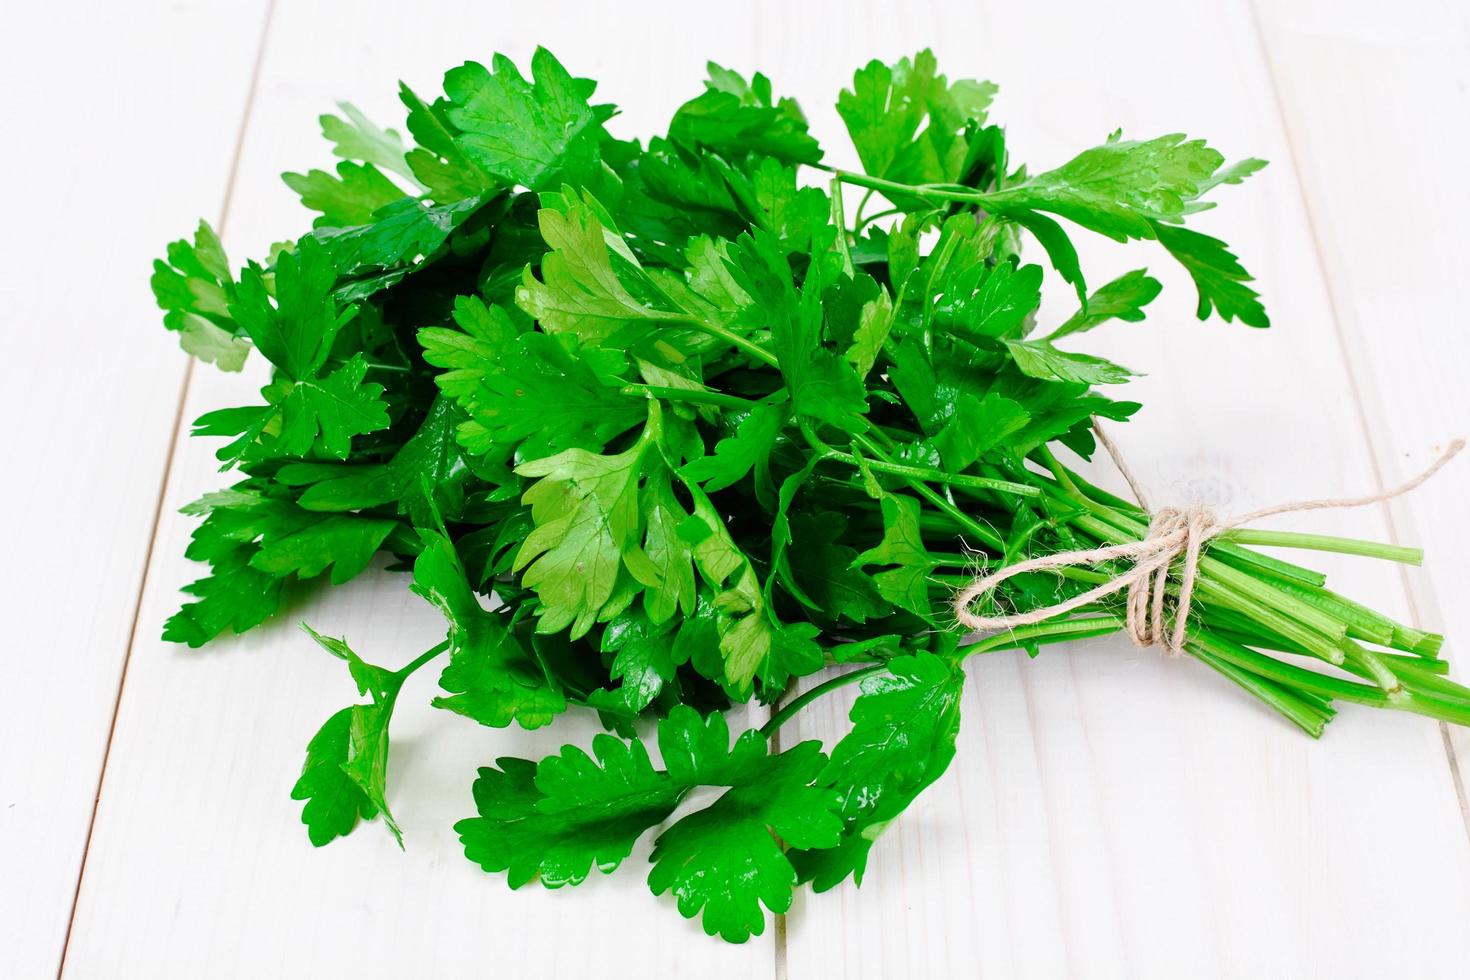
x=199 y=865
x=121 y=123
x=1377 y=101
x=1111 y=813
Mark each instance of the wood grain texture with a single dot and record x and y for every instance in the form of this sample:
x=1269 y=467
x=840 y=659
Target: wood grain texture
x=121 y=123
x=1109 y=813
x=1378 y=108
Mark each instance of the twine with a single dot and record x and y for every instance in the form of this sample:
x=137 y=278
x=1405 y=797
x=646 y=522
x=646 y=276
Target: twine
x=1173 y=534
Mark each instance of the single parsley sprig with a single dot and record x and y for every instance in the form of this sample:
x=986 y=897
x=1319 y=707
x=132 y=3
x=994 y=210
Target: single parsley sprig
x=662 y=427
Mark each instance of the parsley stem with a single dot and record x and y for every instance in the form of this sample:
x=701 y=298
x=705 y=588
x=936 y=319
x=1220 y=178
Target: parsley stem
x=423 y=658
x=1041 y=633
x=1326 y=542
x=1080 y=628
x=811 y=694
x=696 y=395
x=720 y=331
x=887 y=212
x=938 y=476
x=932 y=192
x=985 y=533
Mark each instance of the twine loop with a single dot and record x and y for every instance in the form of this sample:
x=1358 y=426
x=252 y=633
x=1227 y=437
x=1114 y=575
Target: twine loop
x=1176 y=537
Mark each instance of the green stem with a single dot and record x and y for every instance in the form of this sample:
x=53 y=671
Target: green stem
x=1050 y=632
x=807 y=697
x=697 y=396
x=929 y=192
x=887 y=212
x=986 y=534
x=1326 y=542
x=938 y=476
x=423 y=658
x=723 y=333
x=862 y=204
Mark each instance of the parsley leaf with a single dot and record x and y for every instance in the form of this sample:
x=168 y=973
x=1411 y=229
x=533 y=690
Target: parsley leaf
x=490 y=677
x=357 y=138
x=346 y=771
x=1124 y=299
x=886 y=107
x=903 y=737
x=535 y=134
x=193 y=288
x=543 y=391
x=1217 y=274
x=555 y=820
x=348 y=199
x=1121 y=188
x=734 y=117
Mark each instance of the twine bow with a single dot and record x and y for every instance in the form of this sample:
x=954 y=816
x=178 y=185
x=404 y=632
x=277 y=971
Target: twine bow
x=1174 y=535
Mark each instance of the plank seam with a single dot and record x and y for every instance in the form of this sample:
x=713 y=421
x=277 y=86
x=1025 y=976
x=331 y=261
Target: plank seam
x=157 y=518
x=1412 y=589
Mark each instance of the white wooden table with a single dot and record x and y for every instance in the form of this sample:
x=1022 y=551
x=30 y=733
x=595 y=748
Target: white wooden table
x=1110 y=813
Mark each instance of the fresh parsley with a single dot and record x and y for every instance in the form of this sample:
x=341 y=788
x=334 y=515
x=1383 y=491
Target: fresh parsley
x=661 y=427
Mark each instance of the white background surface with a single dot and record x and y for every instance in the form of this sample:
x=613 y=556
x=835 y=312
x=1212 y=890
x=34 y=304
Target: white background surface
x=1110 y=813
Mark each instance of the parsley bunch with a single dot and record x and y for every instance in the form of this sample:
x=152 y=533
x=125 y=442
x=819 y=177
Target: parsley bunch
x=662 y=427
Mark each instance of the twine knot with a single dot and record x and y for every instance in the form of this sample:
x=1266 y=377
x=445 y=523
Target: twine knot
x=1156 y=614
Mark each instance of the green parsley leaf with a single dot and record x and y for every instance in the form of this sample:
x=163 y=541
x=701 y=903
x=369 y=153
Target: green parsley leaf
x=587 y=533
x=490 y=677
x=906 y=585
x=193 y=288
x=1121 y=188
x=543 y=391
x=348 y=199
x=1124 y=299
x=346 y=771
x=438 y=163
x=295 y=333
x=1217 y=274
x=555 y=820
x=535 y=134
x=903 y=737
x=1039 y=359
x=822 y=384
x=733 y=117
x=886 y=107
x=357 y=138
